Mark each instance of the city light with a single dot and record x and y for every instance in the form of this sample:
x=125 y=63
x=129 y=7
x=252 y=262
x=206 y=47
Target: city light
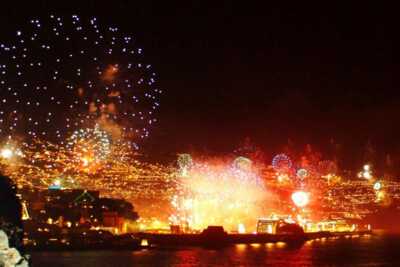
x=366 y=172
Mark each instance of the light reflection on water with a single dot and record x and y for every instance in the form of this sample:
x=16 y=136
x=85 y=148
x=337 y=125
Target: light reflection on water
x=357 y=251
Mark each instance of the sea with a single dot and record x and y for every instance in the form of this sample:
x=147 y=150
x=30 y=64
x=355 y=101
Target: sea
x=371 y=250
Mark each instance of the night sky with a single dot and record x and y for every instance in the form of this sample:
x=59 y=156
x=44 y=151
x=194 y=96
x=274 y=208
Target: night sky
x=268 y=72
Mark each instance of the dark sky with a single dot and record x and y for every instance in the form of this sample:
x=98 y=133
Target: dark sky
x=232 y=70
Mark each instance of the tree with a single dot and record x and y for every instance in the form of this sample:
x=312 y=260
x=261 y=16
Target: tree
x=10 y=212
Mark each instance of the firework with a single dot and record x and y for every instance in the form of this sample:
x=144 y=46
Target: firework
x=184 y=163
x=300 y=199
x=377 y=186
x=61 y=74
x=10 y=153
x=89 y=148
x=302 y=174
x=6 y=153
x=242 y=163
x=76 y=98
x=217 y=193
x=281 y=163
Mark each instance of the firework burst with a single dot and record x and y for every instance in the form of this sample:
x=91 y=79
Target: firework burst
x=218 y=193
x=61 y=74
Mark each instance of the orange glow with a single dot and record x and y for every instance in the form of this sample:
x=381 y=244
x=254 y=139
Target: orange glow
x=109 y=73
x=219 y=193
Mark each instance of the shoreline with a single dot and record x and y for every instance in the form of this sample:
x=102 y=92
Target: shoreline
x=165 y=241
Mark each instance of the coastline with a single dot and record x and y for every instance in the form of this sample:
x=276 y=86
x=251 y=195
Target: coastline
x=158 y=241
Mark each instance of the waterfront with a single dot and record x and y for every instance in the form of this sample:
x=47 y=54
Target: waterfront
x=375 y=250
x=221 y=134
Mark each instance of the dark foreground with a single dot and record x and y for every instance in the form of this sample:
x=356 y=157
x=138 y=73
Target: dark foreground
x=372 y=250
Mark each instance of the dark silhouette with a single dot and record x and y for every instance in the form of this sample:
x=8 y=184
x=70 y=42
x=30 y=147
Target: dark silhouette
x=290 y=228
x=10 y=213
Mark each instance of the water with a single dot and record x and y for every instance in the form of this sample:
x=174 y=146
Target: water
x=382 y=250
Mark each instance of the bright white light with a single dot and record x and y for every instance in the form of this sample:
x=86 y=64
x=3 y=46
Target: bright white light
x=6 y=153
x=57 y=182
x=282 y=177
x=85 y=162
x=367 y=175
x=300 y=198
x=241 y=228
x=377 y=186
x=302 y=173
x=366 y=172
